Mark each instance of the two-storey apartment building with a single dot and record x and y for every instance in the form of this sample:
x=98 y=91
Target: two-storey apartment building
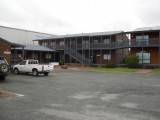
x=145 y=42
x=89 y=48
x=107 y=47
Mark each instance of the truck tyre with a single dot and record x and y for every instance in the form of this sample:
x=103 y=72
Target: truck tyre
x=2 y=77
x=16 y=71
x=35 y=72
x=4 y=68
x=46 y=74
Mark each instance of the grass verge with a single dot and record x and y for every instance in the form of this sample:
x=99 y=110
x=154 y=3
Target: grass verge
x=156 y=71
x=115 y=70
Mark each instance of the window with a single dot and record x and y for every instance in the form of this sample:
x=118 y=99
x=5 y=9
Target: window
x=61 y=43
x=33 y=62
x=35 y=56
x=45 y=43
x=119 y=41
x=23 y=63
x=48 y=56
x=107 y=56
x=52 y=43
x=95 y=41
x=144 y=57
x=106 y=41
x=29 y=62
x=142 y=40
x=2 y=60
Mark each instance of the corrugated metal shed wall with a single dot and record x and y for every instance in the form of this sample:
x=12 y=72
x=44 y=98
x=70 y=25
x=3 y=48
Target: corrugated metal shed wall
x=24 y=37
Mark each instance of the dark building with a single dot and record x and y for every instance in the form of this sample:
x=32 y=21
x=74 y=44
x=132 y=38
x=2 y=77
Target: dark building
x=89 y=48
x=6 y=48
x=145 y=42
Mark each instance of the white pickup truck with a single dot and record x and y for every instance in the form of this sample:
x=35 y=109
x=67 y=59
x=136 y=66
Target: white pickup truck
x=32 y=66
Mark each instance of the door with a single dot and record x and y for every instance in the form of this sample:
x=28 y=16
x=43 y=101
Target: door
x=22 y=66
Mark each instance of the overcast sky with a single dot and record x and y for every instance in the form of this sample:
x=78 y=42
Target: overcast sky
x=79 y=16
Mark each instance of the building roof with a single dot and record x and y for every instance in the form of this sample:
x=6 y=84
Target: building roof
x=36 y=48
x=82 y=34
x=11 y=43
x=148 y=28
x=145 y=29
x=25 y=30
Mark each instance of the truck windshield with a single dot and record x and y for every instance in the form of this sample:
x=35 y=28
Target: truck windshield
x=23 y=63
x=2 y=60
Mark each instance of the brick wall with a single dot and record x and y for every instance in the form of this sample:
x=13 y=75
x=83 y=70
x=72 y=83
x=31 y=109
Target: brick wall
x=5 y=48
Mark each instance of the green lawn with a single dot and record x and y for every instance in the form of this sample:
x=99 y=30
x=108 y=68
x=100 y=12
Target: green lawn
x=157 y=71
x=114 y=70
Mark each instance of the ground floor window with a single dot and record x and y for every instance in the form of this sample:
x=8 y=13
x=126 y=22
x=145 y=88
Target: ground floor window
x=144 y=57
x=107 y=56
x=48 y=56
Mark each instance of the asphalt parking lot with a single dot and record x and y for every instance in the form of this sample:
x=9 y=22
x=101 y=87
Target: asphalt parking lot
x=82 y=95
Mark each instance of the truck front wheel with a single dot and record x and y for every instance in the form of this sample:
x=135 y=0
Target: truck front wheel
x=16 y=71
x=35 y=72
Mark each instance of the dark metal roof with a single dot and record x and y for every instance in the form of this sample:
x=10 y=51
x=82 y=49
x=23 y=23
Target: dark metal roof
x=82 y=35
x=37 y=48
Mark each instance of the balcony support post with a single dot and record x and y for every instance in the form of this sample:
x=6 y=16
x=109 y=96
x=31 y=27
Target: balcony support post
x=82 y=50
x=92 y=48
x=70 y=50
x=76 y=49
x=101 y=53
x=159 y=51
x=89 y=50
x=110 y=52
x=64 y=51
x=142 y=47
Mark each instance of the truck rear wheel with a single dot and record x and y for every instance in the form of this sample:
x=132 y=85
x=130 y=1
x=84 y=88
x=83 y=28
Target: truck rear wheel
x=46 y=74
x=35 y=72
x=2 y=77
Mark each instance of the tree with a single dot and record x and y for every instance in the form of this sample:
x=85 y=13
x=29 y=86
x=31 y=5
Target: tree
x=132 y=61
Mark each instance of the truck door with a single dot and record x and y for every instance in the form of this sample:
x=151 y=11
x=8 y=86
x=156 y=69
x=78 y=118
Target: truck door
x=22 y=66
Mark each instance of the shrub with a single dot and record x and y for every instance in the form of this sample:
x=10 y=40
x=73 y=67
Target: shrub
x=61 y=62
x=109 y=65
x=132 y=61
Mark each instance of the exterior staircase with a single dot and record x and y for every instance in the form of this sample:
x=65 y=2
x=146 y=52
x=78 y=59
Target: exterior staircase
x=76 y=55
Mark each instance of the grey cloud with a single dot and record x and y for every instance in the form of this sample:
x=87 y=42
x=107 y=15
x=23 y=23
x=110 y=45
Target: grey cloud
x=23 y=13
x=148 y=12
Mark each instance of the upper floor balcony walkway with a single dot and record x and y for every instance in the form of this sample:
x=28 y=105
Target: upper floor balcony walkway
x=113 y=45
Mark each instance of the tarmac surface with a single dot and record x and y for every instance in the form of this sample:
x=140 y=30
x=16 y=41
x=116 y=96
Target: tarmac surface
x=82 y=95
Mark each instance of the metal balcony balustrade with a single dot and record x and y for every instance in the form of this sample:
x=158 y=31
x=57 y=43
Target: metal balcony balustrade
x=144 y=43
x=113 y=45
x=71 y=49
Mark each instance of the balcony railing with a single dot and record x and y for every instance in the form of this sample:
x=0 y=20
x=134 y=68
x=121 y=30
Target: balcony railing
x=113 y=45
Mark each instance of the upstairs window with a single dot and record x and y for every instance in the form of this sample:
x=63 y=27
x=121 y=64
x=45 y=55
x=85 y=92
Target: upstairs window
x=52 y=43
x=142 y=40
x=106 y=41
x=95 y=41
x=61 y=43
